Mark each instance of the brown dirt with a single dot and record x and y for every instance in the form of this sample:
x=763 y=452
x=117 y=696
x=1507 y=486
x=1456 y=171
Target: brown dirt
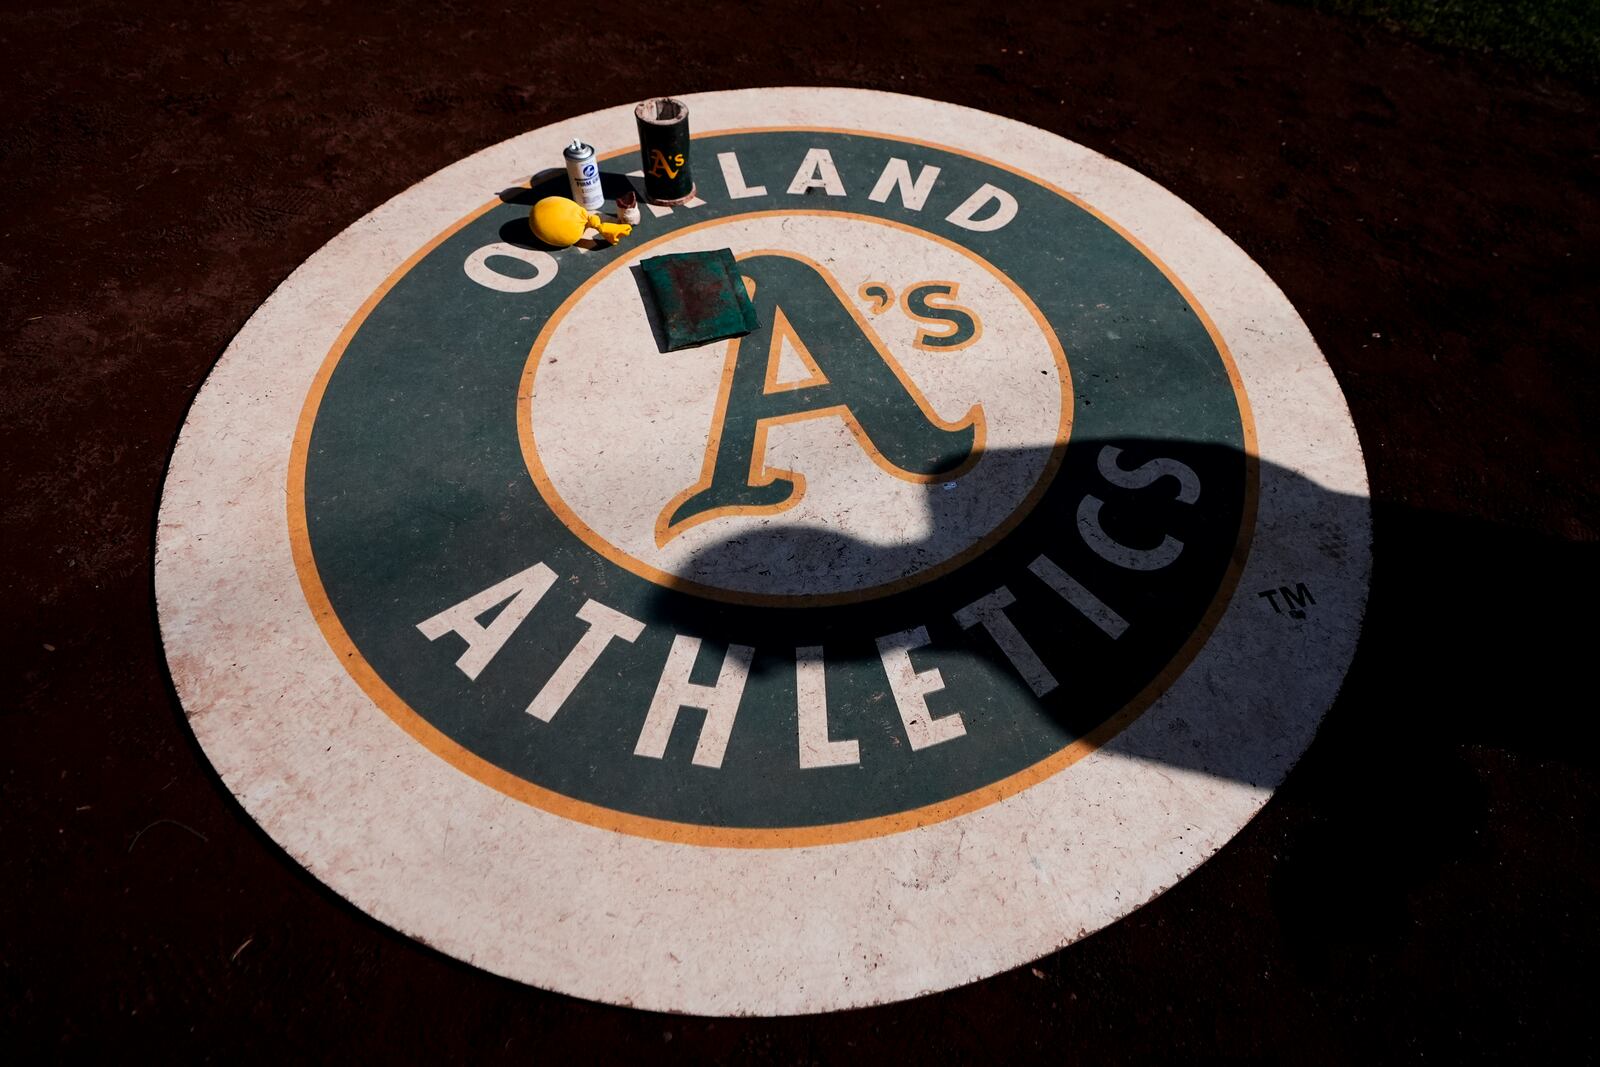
x=1424 y=884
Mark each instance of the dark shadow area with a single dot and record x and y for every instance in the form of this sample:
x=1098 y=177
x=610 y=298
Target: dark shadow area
x=1107 y=602
x=1474 y=639
x=1463 y=627
x=1472 y=635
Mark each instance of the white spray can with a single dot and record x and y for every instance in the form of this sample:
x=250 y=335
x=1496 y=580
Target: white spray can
x=584 y=174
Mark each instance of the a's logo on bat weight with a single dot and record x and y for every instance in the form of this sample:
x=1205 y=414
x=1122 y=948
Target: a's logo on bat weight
x=661 y=166
x=960 y=507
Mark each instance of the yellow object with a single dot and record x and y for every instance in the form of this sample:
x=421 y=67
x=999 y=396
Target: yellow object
x=560 y=222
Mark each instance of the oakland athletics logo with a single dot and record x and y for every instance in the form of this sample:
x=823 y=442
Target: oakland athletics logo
x=947 y=517
x=925 y=627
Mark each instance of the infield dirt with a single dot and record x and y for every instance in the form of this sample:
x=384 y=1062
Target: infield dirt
x=1425 y=881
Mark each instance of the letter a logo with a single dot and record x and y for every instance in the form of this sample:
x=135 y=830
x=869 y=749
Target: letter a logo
x=851 y=376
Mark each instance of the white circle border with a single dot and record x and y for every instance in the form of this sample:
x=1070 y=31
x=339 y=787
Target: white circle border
x=628 y=920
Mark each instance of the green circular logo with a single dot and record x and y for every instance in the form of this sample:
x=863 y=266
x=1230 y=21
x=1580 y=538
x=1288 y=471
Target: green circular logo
x=960 y=506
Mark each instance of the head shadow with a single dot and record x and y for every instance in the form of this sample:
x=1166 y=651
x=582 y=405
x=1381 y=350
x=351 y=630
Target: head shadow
x=1072 y=577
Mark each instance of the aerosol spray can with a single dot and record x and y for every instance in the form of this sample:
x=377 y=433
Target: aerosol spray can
x=584 y=174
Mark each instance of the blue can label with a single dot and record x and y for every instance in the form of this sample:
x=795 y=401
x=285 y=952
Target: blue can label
x=584 y=175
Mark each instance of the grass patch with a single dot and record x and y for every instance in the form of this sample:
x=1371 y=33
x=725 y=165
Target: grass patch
x=1555 y=36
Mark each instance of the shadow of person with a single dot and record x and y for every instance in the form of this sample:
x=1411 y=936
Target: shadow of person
x=1082 y=602
x=1458 y=643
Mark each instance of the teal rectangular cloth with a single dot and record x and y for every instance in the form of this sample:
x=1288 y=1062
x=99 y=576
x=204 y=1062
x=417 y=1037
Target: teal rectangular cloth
x=699 y=297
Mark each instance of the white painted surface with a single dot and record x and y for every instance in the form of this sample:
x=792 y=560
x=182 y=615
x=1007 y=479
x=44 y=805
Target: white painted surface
x=630 y=920
x=720 y=701
x=911 y=688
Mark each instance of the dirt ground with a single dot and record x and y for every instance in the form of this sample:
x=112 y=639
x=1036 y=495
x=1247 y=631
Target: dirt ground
x=1423 y=885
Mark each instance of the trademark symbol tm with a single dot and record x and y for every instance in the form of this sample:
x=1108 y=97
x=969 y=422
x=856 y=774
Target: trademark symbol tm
x=1294 y=600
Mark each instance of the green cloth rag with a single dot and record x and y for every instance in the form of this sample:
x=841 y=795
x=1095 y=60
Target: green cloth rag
x=699 y=297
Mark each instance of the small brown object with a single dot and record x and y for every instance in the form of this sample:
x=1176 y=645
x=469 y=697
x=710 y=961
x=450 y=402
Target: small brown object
x=628 y=208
